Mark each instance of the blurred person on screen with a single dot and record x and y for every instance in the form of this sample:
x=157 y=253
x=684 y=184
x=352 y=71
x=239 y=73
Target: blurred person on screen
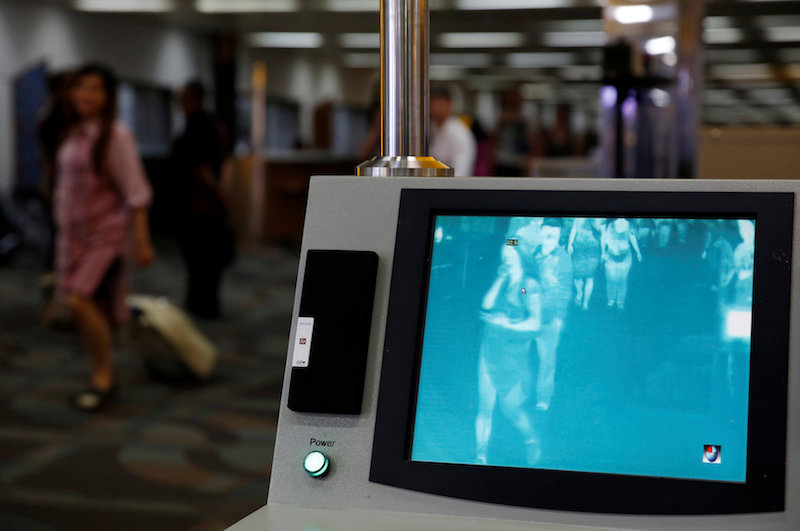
x=512 y=315
x=553 y=267
x=618 y=245
x=584 y=247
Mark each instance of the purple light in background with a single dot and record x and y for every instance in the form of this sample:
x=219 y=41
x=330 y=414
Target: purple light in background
x=629 y=108
x=608 y=97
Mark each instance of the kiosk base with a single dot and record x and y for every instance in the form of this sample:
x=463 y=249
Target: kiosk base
x=287 y=518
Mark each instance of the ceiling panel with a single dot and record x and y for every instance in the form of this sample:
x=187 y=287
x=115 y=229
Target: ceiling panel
x=752 y=52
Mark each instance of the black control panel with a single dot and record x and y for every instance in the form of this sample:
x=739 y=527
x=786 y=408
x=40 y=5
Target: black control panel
x=329 y=353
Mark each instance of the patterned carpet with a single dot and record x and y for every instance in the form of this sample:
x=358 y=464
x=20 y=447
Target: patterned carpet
x=163 y=456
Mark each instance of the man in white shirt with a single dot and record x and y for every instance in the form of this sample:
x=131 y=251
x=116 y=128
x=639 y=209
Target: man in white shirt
x=451 y=141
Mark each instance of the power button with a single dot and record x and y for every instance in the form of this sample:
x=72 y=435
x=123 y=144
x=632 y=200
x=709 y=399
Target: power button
x=316 y=464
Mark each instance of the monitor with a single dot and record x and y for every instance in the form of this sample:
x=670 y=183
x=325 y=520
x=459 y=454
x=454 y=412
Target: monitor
x=547 y=352
x=629 y=346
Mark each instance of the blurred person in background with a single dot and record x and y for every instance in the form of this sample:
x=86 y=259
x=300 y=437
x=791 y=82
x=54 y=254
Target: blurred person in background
x=49 y=134
x=101 y=193
x=371 y=144
x=451 y=140
x=483 y=158
x=512 y=139
x=52 y=125
x=559 y=141
x=204 y=234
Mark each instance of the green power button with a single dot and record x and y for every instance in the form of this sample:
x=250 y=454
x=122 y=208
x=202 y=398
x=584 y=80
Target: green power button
x=316 y=464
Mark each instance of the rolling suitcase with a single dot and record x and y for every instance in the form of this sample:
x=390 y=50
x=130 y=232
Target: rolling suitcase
x=172 y=346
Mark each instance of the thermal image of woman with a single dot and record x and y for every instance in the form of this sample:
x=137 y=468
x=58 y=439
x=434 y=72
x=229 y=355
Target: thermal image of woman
x=584 y=247
x=618 y=244
x=511 y=313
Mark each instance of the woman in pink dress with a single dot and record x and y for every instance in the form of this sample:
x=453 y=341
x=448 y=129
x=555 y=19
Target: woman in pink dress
x=101 y=199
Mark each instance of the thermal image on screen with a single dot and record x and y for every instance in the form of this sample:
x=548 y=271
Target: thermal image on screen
x=608 y=345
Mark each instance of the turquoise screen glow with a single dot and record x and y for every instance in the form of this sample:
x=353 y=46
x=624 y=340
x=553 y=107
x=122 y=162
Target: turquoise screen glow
x=610 y=345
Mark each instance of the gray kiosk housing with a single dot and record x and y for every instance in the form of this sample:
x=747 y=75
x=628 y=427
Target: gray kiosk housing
x=361 y=214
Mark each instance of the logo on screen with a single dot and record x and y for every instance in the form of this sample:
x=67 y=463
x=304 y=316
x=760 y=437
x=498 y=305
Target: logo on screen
x=712 y=454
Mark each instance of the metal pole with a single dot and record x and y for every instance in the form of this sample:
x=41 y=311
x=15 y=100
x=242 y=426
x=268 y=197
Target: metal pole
x=404 y=94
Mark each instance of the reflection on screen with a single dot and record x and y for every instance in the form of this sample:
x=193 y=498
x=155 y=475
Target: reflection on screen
x=614 y=345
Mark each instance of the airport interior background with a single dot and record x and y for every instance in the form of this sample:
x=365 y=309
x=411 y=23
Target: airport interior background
x=293 y=88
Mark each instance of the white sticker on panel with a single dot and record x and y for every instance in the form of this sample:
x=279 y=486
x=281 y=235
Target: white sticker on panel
x=302 y=341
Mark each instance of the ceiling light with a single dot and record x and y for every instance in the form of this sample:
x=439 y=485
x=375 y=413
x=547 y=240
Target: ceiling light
x=352 y=5
x=360 y=40
x=246 y=6
x=741 y=71
x=720 y=97
x=126 y=6
x=481 y=40
x=446 y=73
x=634 y=14
x=285 y=40
x=791 y=112
x=758 y=116
x=491 y=5
x=783 y=34
x=472 y=60
x=581 y=73
x=492 y=82
x=789 y=55
x=735 y=55
x=777 y=21
x=569 y=39
x=541 y=60
x=583 y=24
x=773 y=96
x=362 y=60
x=660 y=45
x=718 y=22
x=537 y=91
x=722 y=35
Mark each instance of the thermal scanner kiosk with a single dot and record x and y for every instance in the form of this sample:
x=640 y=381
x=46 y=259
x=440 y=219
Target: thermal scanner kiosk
x=508 y=354
x=407 y=393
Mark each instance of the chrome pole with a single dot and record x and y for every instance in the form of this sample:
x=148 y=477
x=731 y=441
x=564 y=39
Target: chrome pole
x=405 y=50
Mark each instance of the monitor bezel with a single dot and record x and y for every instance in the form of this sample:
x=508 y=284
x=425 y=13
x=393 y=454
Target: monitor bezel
x=764 y=488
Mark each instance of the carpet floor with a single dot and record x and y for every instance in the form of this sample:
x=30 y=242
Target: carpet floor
x=164 y=455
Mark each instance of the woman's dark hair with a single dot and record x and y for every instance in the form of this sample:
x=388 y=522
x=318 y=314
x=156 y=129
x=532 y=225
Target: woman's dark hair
x=107 y=116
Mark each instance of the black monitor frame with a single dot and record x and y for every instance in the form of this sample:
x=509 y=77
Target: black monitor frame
x=764 y=488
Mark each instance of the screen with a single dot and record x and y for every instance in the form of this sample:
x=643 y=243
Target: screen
x=609 y=345
x=601 y=351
